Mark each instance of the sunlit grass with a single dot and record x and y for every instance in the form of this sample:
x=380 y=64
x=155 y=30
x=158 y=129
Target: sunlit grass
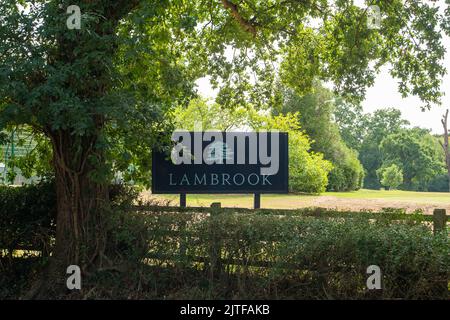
x=301 y=200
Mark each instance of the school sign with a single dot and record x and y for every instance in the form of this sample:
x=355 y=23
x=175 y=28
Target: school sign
x=222 y=162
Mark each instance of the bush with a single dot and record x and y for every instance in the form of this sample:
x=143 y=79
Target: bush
x=439 y=184
x=303 y=254
x=27 y=221
x=308 y=170
x=347 y=173
x=27 y=216
x=391 y=176
x=292 y=257
x=28 y=224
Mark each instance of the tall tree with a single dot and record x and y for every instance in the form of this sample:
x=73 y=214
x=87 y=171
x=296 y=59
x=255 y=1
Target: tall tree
x=98 y=93
x=316 y=118
x=380 y=124
x=416 y=152
x=91 y=92
x=445 y=145
x=352 y=123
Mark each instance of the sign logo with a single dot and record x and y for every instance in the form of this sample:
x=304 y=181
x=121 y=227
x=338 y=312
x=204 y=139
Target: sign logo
x=220 y=152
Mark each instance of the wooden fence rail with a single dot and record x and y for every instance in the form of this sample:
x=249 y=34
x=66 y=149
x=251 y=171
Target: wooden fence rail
x=439 y=221
x=307 y=212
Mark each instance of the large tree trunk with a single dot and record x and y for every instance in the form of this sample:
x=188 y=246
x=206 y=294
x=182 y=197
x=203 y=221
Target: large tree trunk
x=81 y=205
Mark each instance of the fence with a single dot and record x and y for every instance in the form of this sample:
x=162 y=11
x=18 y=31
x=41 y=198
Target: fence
x=311 y=249
x=304 y=253
x=439 y=217
x=214 y=258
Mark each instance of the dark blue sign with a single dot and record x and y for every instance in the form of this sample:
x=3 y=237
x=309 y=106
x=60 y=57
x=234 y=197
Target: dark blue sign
x=222 y=162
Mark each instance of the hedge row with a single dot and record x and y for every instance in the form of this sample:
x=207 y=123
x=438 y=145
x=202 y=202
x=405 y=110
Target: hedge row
x=269 y=256
x=250 y=255
x=27 y=216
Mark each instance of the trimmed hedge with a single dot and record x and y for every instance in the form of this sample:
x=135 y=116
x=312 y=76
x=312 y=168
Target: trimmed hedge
x=27 y=217
x=28 y=214
x=293 y=257
x=242 y=254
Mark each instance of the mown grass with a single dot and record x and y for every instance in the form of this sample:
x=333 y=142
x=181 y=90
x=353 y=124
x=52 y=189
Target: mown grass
x=300 y=200
x=398 y=195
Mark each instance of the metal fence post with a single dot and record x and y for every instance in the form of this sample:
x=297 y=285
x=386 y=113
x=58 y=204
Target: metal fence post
x=183 y=200
x=257 y=201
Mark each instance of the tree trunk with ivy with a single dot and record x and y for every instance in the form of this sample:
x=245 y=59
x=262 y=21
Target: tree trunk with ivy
x=82 y=196
x=81 y=203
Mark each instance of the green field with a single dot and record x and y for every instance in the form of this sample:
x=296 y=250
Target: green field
x=398 y=195
x=355 y=200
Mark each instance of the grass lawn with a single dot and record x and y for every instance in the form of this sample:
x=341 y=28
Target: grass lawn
x=355 y=200
x=398 y=195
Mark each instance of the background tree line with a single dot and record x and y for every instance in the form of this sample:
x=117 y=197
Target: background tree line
x=384 y=141
x=333 y=145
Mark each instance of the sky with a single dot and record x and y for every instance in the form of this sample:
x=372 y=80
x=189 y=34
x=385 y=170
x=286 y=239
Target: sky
x=384 y=94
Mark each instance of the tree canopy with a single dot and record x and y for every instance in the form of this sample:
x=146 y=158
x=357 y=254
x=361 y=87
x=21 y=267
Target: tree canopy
x=308 y=170
x=391 y=176
x=417 y=153
x=133 y=60
x=316 y=111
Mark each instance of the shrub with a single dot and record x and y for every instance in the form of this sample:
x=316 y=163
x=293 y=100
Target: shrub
x=27 y=221
x=272 y=256
x=28 y=224
x=347 y=173
x=391 y=176
x=27 y=216
x=439 y=183
x=308 y=170
x=302 y=254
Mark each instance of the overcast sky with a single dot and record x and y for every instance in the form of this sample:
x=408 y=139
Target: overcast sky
x=385 y=94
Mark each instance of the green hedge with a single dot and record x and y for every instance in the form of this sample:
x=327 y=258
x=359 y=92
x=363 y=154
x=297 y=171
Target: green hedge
x=271 y=256
x=303 y=254
x=27 y=216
